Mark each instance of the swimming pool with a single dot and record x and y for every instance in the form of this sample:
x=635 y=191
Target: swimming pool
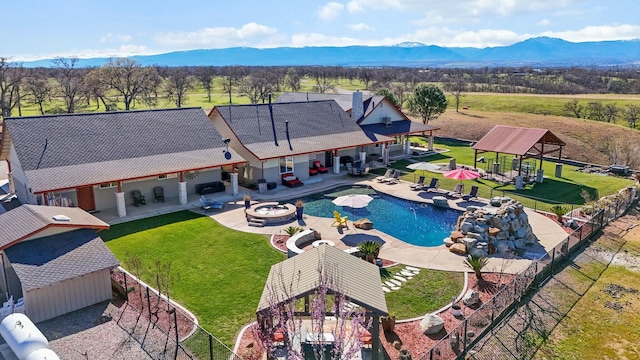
x=412 y=222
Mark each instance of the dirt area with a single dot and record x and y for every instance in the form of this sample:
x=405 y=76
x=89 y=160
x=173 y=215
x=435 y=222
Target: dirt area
x=586 y=140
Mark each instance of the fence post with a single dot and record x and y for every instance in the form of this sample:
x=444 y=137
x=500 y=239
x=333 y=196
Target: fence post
x=126 y=288
x=175 y=320
x=553 y=258
x=210 y=347
x=464 y=339
x=149 y=302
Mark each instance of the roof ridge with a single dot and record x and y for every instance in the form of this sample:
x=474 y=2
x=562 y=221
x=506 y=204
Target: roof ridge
x=100 y=113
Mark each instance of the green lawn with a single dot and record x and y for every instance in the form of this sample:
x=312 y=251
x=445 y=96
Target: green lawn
x=220 y=273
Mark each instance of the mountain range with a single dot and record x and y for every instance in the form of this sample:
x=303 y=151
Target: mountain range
x=534 y=52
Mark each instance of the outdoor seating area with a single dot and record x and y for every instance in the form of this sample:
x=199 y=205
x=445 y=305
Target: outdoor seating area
x=290 y=180
x=138 y=198
x=210 y=187
x=321 y=169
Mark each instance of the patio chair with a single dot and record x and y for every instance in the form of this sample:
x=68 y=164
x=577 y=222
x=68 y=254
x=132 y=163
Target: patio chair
x=457 y=191
x=210 y=204
x=418 y=185
x=472 y=194
x=433 y=185
x=394 y=179
x=138 y=198
x=339 y=220
x=318 y=166
x=386 y=175
x=158 y=194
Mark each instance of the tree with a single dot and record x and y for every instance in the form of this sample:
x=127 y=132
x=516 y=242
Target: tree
x=38 y=88
x=428 y=102
x=611 y=113
x=231 y=79
x=70 y=82
x=323 y=79
x=177 y=83
x=292 y=80
x=10 y=80
x=455 y=86
x=98 y=88
x=389 y=95
x=630 y=114
x=365 y=74
x=206 y=74
x=573 y=108
x=130 y=80
x=595 y=111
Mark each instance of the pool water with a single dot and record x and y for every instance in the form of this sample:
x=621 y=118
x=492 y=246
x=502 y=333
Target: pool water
x=412 y=222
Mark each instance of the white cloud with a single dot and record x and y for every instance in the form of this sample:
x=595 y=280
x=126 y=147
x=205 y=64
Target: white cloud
x=314 y=39
x=217 y=37
x=598 y=33
x=122 y=51
x=360 y=27
x=330 y=11
x=110 y=37
x=358 y=6
x=544 y=22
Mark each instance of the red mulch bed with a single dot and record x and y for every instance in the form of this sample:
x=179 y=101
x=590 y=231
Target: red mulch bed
x=158 y=315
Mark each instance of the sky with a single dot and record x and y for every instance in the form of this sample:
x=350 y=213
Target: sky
x=41 y=29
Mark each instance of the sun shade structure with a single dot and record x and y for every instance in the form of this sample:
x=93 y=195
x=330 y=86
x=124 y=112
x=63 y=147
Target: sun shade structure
x=461 y=174
x=355 y=201
x=525 y=143
x=299 y=277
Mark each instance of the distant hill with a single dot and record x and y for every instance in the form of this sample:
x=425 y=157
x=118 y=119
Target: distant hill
x=535 y=52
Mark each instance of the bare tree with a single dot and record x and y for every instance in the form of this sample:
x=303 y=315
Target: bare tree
x=130 y=80
x=630 y=114
x=455 y=86
x=177 y=83
x=366 y=75
x=292 y=80
x=38 y=88
x=595 y=111
x=324 y=81
x=205 y=75
x=10 y=79
x=232 y=77
x=574 y=108
x=98 y=88
x=70 y=82
x=611 y=113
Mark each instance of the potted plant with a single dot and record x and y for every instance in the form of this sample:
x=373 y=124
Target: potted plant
x=247 y=201
x=456 y=310
x=299 y=209
x=369 y=250
x=388 y=323
x=292 y=230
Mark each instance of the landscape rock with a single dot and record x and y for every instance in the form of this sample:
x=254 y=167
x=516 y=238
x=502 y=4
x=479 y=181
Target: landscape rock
x=471 y=298
x=455 y=235
x=431 y=324
x=458 y=248
x=448 y=242
x=364 y=224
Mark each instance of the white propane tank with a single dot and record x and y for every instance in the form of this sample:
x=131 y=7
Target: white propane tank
x=22 y=336
x=43 y=354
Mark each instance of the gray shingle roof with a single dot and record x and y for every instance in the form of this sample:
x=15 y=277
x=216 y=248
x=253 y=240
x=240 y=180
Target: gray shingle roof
x=314 y=126
x=357 y=279
x=344 y=100
x=398 y=127
x=27 y=220
x=102 y=147
x=56 y=258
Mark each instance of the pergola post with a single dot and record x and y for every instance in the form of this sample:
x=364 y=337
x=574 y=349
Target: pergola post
x=375 y=338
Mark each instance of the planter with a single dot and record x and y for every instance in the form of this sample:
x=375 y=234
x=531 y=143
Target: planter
x=388 y=324
x=456 y=310
x=299 y=211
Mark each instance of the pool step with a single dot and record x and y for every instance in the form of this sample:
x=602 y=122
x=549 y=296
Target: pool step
x=257 y=222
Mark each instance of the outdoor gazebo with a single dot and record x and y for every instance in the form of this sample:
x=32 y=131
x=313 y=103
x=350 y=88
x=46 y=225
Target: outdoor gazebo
x=300 y=276
x=523 y=143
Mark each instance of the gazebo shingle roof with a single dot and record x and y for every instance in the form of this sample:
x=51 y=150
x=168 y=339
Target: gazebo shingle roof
x=357 y=279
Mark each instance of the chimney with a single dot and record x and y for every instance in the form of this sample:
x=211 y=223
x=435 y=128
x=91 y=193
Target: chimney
x=357 y=109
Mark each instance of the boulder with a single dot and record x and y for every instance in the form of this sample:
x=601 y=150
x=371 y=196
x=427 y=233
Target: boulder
x=364 y=224
x=469 y=243
x=459 y=249
x=455 y=235
x=471 y=297
x=466 y=226
x=448 y=242
x=478 y=251
x=431 y=324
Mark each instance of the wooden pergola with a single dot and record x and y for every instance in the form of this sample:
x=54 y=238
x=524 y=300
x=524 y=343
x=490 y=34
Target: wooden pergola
x=524 y=143
x=300 y=276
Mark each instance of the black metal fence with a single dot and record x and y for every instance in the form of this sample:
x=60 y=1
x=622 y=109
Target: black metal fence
x=163 y=330
x=457 y=343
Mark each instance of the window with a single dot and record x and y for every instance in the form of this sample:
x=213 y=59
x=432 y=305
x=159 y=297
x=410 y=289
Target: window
x=108 y=185
x=286 y=164
x=167 y=176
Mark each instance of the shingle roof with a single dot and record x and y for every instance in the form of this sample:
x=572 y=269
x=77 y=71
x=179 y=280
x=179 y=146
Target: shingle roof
x=27 y=220
x=313 y=126
x=60 y=257
x=344 y=100
x=398 y=127
x=515 y=140
x=357 y=279
x=118 y=145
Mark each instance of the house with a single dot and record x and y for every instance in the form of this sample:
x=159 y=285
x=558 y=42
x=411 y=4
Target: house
x=284 y=139
x=53 y=258
x=95 y=160
x=376 y=115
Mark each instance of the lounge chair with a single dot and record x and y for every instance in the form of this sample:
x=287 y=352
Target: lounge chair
x=158 y=194
x=418 y=185
x=138 y=198
x=318 y=166
x=472 y=194
x=433 y=185
x=394 y=179
x=386 y=175
x=457 y=191
x=339 y=220
x=210 y=204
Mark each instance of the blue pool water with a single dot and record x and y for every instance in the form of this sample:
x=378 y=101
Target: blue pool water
x=412 y=222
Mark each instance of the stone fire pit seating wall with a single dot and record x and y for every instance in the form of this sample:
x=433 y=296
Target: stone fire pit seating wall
x=481 y=232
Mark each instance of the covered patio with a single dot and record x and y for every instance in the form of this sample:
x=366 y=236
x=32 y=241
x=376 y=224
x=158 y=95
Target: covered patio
x=322 y=300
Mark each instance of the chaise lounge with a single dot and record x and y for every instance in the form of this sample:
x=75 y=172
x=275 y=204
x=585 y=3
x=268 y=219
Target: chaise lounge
x=319 y=167
x=291 y=180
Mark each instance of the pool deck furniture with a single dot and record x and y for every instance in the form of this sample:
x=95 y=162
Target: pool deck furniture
x=418 y=185
x=340 y=220
x=210 y=204
x=386 y=175
x=290 y=180
x=433 y=185
x=319 y=167
x=210 y=187
x=473 y=194
x=300 y=240
x=457 y=191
